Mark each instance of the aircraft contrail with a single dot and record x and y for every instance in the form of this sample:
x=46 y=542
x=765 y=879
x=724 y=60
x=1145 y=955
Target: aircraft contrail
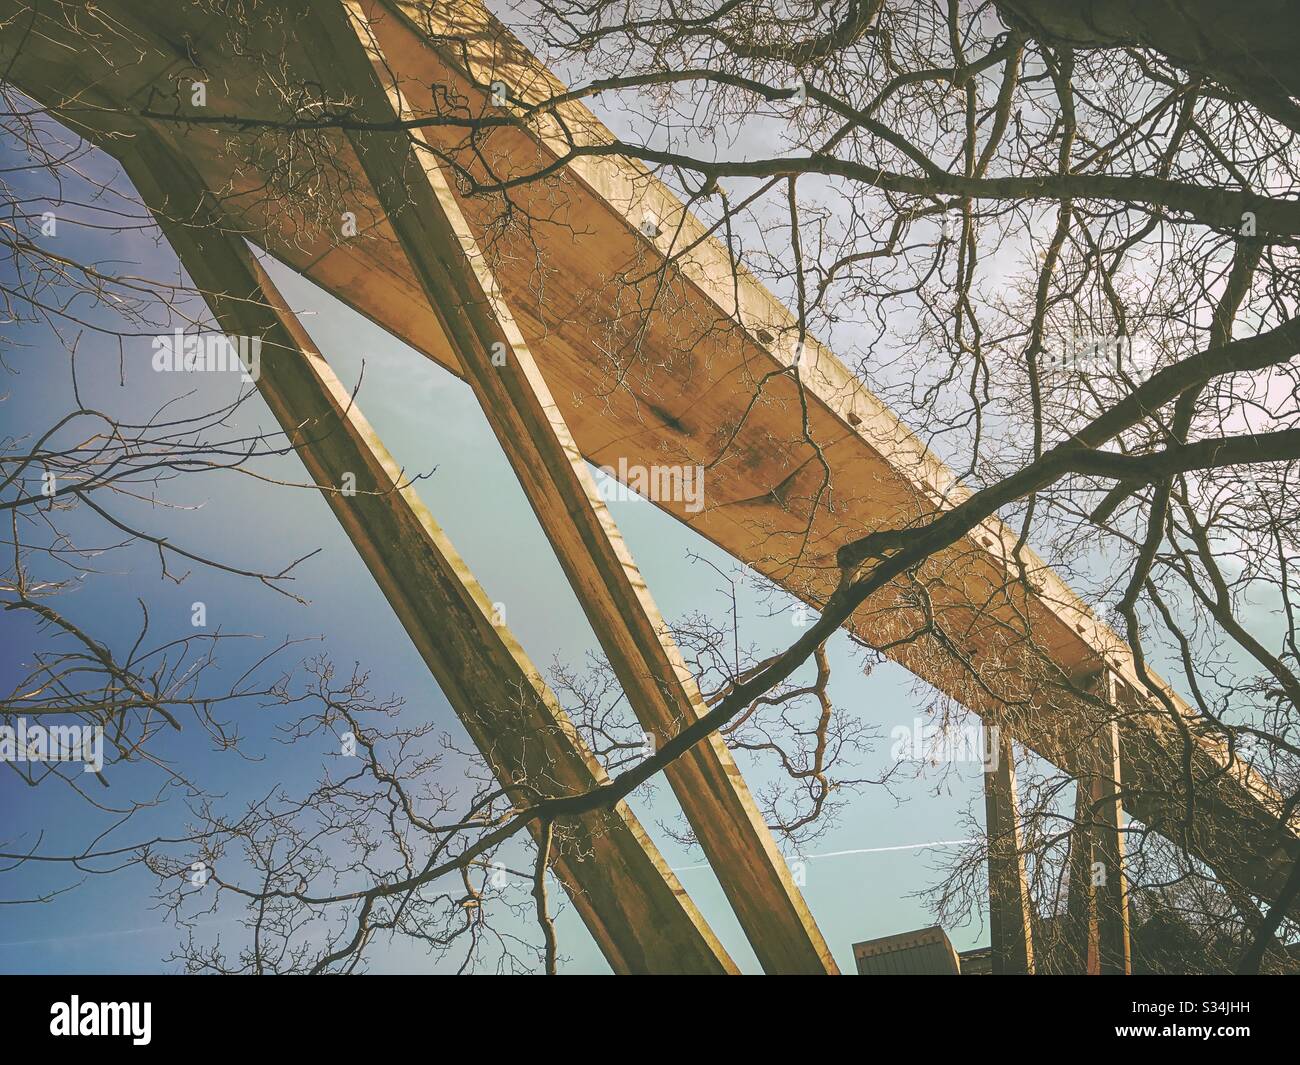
x=857 y=850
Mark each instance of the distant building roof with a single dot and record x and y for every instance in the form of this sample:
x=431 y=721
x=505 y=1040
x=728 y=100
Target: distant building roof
x=925 y=952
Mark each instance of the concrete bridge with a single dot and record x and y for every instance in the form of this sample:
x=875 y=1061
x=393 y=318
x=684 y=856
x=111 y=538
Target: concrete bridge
x=615 y=331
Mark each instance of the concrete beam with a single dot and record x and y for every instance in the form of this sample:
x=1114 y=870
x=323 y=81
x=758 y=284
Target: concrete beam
x=499 y=366
x=1010 y=911
x=633 y=905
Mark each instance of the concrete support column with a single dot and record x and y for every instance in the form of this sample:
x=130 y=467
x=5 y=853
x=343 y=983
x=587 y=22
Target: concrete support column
x=1098 y=891
x=1010 y=910
x=1081 y=911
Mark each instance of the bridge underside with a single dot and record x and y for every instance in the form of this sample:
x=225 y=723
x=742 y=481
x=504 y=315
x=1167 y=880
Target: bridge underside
x=650 y=361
